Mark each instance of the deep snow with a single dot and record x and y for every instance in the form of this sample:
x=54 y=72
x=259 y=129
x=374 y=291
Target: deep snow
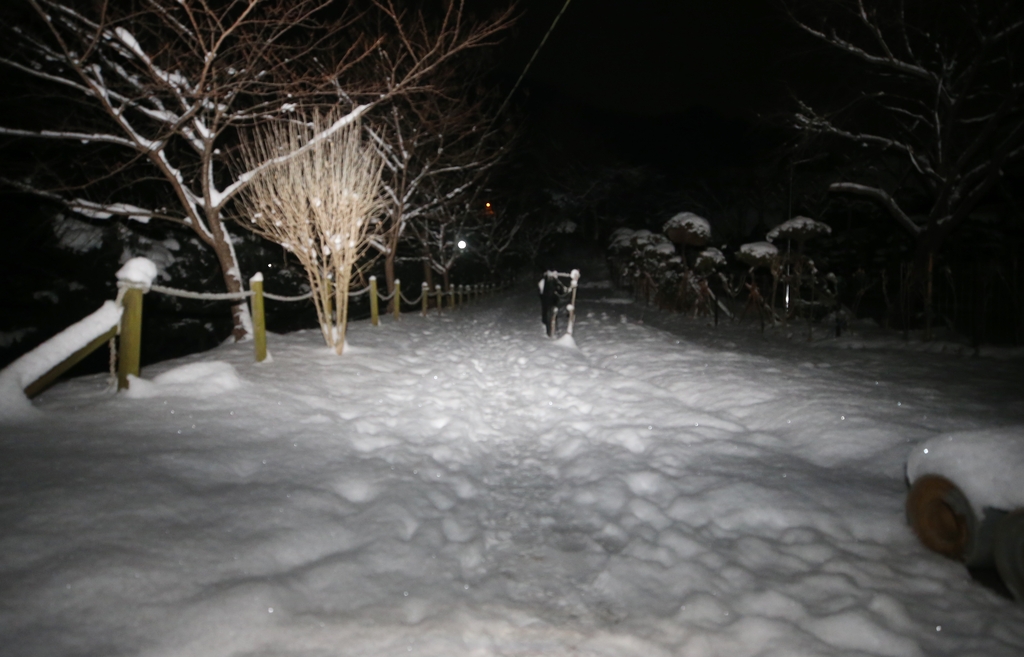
x=460 y=485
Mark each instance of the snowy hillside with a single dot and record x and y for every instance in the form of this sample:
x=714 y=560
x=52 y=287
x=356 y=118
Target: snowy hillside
x=460 y=485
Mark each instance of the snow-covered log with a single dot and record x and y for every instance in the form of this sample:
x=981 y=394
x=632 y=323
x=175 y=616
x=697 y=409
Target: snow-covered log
x=44 y=363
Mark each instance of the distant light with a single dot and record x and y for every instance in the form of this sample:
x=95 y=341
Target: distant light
x=487 y=204
x=462 y=243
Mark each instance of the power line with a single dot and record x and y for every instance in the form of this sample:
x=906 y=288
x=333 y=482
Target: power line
x=535 y=53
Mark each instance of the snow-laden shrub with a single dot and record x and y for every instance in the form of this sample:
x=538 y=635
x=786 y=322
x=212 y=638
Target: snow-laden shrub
x=660 y=248
x=688 y=228
x=757 y=254
x=621 y=234
x=798 y=229
x=641 y=238
x=709 y=260
x=320 y=204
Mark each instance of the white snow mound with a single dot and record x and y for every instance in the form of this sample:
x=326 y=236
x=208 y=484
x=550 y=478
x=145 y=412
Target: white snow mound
x=987 y=465
x=195 y=380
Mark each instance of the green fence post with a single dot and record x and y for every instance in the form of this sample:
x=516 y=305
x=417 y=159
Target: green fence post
x=130 y=343
x=259 y=322
x=425 y=296
x=397 y=299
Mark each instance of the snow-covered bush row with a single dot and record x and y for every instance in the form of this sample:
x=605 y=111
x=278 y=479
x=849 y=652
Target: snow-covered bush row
x=656 y=267
x=678 y=271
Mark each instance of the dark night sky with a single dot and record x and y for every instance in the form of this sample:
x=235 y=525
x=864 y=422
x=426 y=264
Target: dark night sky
x=669 y=83
x=656 y=57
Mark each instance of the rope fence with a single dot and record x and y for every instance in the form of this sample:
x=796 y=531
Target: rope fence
x=124 y=334
x=130 y=296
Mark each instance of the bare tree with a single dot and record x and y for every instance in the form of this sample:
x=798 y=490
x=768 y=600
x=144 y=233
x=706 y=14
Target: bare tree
x=321 y=205
x=164 y=88
x=436 y=147
x=937 y=98
x=498 y=237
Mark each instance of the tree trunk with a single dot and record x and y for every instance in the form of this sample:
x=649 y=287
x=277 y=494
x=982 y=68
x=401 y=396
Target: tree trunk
x=428 y=272
x=232 y=273
x=921 y=275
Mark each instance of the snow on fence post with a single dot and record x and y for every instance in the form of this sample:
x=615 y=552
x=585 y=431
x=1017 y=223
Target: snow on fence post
x=424 y=296
x=440 y=300
x=397 y=299
x=134 y=278
x=575 y=274
x=259 y=322
x=374 y=317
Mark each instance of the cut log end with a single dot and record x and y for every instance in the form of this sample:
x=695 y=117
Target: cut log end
x=941 y=516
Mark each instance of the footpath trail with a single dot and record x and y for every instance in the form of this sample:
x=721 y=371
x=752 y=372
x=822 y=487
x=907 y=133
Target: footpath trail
x=461 y=485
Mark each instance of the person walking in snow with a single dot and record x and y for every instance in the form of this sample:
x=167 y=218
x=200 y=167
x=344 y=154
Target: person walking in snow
x=548 y=286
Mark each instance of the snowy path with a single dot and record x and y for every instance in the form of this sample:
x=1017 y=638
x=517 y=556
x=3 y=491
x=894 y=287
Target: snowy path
x=459 y=485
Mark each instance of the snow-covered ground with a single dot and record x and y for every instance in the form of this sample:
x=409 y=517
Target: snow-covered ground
x=460 y=485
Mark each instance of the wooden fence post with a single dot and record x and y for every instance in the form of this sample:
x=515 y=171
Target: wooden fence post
x=440 y=300
x=397 y=299
x=425 y=296
x=259 y=322
x=130 y=343
x=374 y=319
x=575 y=275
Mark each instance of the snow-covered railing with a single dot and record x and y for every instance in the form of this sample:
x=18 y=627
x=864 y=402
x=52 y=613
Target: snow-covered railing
x=37 y=369
x=122 y=319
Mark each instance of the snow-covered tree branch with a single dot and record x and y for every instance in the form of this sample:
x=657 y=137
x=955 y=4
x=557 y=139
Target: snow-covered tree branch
x=436 y=146
x=939 y=88
x=177 y=84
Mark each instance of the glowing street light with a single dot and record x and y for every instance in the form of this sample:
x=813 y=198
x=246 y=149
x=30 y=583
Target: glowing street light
x=462 y=244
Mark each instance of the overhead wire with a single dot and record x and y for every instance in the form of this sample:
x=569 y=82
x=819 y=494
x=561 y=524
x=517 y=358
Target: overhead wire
x=533 y=57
